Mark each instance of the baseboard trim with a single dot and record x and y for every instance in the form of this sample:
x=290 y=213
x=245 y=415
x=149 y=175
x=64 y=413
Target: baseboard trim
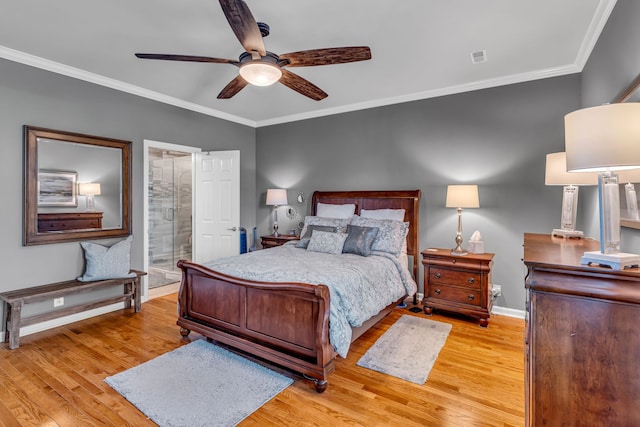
x=505 y=311
x=65 y=320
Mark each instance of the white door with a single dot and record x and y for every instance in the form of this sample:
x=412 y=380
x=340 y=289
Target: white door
x=217 y=205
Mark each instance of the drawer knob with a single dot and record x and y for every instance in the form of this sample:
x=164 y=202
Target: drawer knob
x=437 y=275
x=471 y=297
x=471 y=281
x=437 y=291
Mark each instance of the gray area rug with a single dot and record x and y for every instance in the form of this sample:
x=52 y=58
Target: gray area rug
x=408 y=349
x=199 y=384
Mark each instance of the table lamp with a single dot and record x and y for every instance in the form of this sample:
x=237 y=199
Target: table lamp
x=89 y=189
x=276 y=197
x=605 y=139
x=556 y=174
x=459 y=197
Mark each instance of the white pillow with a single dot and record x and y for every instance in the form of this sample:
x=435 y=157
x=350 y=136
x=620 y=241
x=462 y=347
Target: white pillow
x=327 y=210
x=391 y=234
x=393 y=214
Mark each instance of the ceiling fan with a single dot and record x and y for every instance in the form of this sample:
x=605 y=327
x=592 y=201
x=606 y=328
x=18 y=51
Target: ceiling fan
x=261 y=67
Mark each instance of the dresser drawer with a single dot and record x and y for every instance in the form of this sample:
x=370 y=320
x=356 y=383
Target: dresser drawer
x=454 y=277
x=455 y=294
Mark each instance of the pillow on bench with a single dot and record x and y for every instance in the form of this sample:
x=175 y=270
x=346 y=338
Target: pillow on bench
x=102 y=262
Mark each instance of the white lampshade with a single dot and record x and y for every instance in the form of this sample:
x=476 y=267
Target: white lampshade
x=462 y=196
x=603 y=137
x=277 y=197
x=89 y=189
x=556 y=172
x=260 y=73
x=629 y=175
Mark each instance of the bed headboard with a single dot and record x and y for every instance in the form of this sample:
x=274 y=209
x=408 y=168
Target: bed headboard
x=407 y=200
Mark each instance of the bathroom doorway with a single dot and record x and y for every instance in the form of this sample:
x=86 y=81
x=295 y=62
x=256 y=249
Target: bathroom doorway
x=169 y=213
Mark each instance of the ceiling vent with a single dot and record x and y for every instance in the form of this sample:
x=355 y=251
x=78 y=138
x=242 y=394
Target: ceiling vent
x=478 y=56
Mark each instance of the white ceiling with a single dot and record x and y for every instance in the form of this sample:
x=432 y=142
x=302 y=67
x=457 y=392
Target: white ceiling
x=420 y=48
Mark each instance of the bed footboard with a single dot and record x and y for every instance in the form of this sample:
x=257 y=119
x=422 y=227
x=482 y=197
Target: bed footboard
x=284 y=323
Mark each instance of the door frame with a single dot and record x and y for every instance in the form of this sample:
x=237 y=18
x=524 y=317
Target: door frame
x=148 y=143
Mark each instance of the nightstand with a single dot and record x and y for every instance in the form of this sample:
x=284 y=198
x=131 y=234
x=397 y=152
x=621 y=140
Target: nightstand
x=459 y=284
x=271 y=241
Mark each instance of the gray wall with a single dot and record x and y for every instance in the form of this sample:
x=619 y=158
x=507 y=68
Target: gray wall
x=612 y=66
x=496 y=138
x=40 y=98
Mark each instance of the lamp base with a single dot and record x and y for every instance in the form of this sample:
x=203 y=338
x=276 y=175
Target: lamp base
x=459 y=251
x=567 y=234
x=617 y=261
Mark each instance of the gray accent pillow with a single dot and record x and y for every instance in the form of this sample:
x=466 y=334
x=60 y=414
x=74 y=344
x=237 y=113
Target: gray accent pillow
x=330 y=243
x=359 y=240
x=102 y=262
x=304 y=240
x=339 y=223
x=391 y=235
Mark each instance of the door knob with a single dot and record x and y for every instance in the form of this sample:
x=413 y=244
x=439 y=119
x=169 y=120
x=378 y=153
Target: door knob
x=232 y=229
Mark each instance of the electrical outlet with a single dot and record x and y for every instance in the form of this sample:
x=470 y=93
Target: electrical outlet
x=57 y=302
x=496 y=291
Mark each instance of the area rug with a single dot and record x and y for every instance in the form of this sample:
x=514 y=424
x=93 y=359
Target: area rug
x=199 y=384
x=408 y=349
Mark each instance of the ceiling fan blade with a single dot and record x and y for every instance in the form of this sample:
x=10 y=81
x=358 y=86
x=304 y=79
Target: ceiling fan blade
x=328 y=56
x=188 y=58
x=234 y=86
x=243 y=25
x=302 y=86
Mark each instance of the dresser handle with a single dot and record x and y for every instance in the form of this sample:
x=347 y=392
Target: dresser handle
x=471 y=297
x=437 y=291
x=471 y=281
x=437 y=275
x=453 y=260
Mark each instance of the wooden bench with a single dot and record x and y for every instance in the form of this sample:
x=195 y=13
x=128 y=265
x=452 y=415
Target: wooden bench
x=16 y=299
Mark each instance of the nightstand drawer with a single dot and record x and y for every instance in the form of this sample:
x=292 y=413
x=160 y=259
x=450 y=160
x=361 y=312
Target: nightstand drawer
x=454 y=277
x=455 y=295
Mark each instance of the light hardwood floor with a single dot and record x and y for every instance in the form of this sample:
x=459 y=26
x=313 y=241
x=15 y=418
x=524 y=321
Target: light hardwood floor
x=55 y=378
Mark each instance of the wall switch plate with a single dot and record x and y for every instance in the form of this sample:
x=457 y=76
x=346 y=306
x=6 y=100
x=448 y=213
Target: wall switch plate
x=57 y=302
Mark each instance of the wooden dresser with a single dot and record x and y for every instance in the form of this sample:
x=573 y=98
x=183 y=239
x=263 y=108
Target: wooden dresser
x=271 y=241
x=69 y=221
x=582 y=337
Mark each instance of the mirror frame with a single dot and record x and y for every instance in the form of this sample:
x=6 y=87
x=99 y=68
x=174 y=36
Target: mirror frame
x=30 y=218
x=624 y=97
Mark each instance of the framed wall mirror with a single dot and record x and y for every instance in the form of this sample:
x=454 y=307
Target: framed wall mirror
x=76 y=187
x=629 y=180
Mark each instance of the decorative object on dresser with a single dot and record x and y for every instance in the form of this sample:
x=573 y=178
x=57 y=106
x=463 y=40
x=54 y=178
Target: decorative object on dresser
x=581 y=337
x=276 y=197
x=69 y=221
x=89 y=189
x=556 y=174
x=604 y=139
x=458 y=284
x=271 y=240
x=459 y=197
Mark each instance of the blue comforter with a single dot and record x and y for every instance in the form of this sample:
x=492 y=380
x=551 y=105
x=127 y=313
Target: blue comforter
x=359 y=286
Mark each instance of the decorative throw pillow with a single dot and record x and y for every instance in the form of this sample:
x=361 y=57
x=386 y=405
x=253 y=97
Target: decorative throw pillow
x=304 y=240
x=394 y=214
x=328 y=210
x=359 y=240
x=102 y=262
x=339 y=223
x=330 y=243
x=391 y=234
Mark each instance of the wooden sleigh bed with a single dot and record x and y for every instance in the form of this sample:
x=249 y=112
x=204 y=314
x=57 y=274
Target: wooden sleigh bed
x=286 y=324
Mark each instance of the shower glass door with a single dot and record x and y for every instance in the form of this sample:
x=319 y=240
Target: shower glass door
x=170 y=214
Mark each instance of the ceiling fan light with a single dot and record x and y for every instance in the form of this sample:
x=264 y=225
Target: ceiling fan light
x=260 y=73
